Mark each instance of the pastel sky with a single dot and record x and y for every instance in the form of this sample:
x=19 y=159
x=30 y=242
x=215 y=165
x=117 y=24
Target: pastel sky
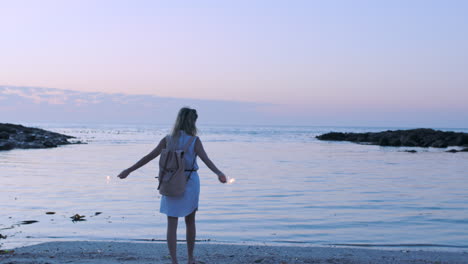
x=340 y=56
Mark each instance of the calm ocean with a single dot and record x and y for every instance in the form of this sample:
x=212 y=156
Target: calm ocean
x=289 y=189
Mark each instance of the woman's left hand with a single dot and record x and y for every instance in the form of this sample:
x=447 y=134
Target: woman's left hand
x=124 y=174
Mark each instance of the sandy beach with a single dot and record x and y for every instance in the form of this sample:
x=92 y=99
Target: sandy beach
x=123 y=252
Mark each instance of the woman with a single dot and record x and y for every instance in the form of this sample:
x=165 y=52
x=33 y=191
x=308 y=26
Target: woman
x=187 y=204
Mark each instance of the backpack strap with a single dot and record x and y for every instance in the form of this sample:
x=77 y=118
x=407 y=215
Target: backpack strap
x=189 y=143
x=193 y=164
x=168 y=139
x=194 y=159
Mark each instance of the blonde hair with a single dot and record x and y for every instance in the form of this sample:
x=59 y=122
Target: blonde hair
x=185 y=121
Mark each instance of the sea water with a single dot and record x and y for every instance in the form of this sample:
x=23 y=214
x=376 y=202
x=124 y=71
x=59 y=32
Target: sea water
x=289 y=188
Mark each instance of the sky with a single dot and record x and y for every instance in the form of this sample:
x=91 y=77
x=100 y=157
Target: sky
x=387 y=60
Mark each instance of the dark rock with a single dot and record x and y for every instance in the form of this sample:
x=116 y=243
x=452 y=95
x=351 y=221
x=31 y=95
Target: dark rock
x=28 y=222
x=439 y=144
x=395 y=142
x=17 y=136
x=411 y=143
x=4 y=135
x=30 y=138
x=421 y=137
x=410 y=151
x=6 y=145
x=464 y=140
x=384 y=142
x=333 y=136
x=78 y=217
x=455 y=150
x=8 y=128
x=49 y=144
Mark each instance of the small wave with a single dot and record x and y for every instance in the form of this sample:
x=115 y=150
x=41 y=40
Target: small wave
x=281 y=195
x=290 y=241
x=399 y=245
x=164 y=240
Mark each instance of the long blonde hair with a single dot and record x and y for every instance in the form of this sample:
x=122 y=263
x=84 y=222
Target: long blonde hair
x=186 y=119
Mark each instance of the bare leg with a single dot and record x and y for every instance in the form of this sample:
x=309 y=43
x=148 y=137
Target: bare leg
x=191 y=233
x=172 y=237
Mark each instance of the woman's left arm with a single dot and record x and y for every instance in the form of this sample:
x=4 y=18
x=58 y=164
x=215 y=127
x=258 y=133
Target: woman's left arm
x=152 y=155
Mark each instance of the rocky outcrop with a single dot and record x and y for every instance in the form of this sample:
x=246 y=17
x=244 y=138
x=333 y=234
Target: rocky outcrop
x=421 y=137
x=18 y=136
x=456 y=150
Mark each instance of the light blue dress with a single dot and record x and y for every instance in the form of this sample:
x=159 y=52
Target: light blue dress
x=187 y=203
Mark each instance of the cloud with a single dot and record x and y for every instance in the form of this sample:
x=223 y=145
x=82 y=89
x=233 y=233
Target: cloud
x=37 y=95
x=34 y=104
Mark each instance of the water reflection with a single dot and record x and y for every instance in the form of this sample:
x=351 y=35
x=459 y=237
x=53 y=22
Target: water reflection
x=294 y=190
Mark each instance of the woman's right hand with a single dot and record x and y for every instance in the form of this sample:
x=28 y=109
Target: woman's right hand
x=124 y=174
x=222 y=178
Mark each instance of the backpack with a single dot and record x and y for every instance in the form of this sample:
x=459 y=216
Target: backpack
x=172 y=179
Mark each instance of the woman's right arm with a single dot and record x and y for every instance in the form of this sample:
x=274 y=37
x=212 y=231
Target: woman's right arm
x=152 y=155
x=200 y=151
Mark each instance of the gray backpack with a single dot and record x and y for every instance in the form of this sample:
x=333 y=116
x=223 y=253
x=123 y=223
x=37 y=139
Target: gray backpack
x=172 y=179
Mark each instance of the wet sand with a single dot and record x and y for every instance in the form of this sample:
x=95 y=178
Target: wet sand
x=123 y=252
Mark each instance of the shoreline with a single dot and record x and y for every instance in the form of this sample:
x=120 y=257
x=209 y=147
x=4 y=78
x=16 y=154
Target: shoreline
x=156 y=252
x=4 y=245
